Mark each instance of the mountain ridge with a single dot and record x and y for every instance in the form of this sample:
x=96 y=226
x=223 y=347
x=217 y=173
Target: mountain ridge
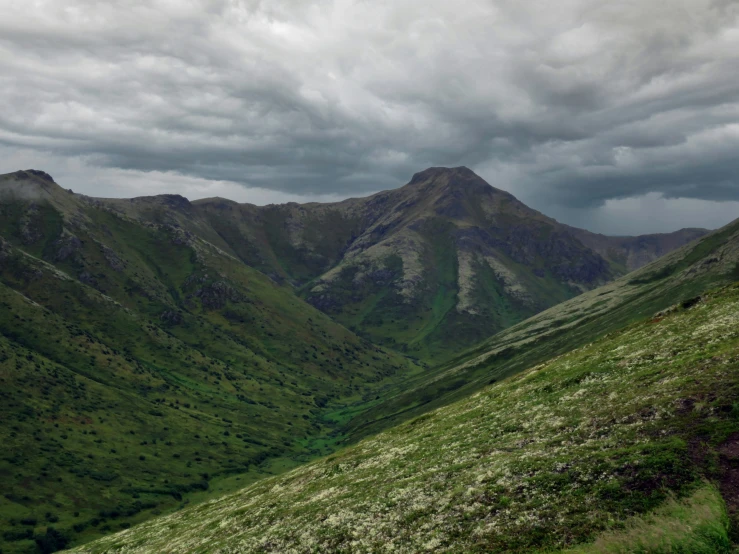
x=429 y=268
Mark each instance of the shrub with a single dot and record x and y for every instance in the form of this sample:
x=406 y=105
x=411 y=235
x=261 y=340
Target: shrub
x=52 y=541
x=11 y=536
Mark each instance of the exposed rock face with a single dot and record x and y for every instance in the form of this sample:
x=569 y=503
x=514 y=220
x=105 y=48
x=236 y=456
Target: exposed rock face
x=66 y=247
x=171 y=317
x=112 y=258
x=88 y=278
x=30 y=229
x=42 y=174
x=213 y=296
x=175 y=201
x=171 y=201
x=181 y=236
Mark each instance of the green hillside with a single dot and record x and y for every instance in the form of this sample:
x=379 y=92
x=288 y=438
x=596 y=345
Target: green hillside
x=627 y=444
x=678 y=276
x=429 y=269
x=142 y=368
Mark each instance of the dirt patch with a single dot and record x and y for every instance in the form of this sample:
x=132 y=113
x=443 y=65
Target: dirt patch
x=729 y=482
x=698 y=450
x=684 y=405
x=730 y=449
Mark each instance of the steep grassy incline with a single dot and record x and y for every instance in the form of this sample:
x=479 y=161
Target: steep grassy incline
x=679 y=276
x=142 y=367
x=630 y=441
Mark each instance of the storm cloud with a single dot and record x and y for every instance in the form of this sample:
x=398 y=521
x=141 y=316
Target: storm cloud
x=600 y=114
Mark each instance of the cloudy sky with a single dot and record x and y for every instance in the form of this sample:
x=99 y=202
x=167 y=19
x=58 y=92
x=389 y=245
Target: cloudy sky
x=621 y=117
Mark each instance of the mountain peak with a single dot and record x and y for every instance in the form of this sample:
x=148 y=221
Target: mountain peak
x=453 y=183
x=174 y=201
x=42 y=174
x=434 y=173
x=32 y=184
x=30 y=174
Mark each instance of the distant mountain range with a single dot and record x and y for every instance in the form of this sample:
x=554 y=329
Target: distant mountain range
x=429 y=268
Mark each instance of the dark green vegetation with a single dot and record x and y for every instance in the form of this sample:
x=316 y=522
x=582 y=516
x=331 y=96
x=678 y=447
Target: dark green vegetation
x=627 y=444
x=141 y=367
x=679 y=276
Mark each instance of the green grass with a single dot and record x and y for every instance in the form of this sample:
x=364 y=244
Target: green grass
x=608 y=446
x=697 y=524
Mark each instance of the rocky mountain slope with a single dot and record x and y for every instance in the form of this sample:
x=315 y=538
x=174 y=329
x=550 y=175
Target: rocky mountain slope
x=430 y=268
x=628 y=444
x=141 y=366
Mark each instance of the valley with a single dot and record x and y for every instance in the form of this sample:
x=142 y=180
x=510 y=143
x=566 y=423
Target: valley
x=157 y=353
x=622 y=445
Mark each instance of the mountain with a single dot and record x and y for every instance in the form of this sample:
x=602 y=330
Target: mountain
x=631 y=253
x=142 y=366
x=430 y=268
x=156 y=351
x=627 y=444
x=680 y=276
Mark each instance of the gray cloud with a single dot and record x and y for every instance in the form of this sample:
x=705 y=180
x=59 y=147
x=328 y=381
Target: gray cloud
x=571 y=107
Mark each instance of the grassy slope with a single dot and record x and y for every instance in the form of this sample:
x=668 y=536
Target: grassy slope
x=427 y=324
x=135 y=357
x=681 y=275
x=568 y=452
x=696 y=524
x=180 y=374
